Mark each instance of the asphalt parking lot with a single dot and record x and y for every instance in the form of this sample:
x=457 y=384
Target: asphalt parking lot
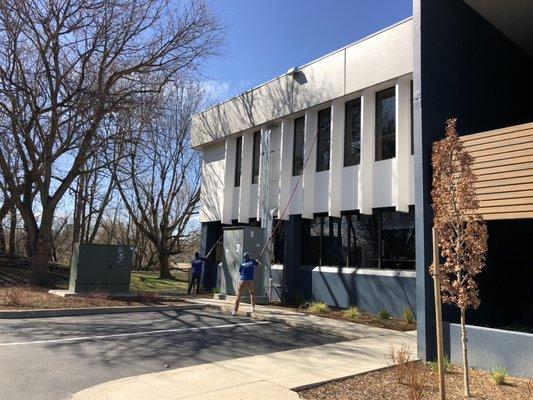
x=52 y=358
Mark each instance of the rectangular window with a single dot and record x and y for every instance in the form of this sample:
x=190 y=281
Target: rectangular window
x=352 y=132
x=238 y=158
x=412 y=123
x=386 y=124
x=256 y=157
x=385 y=239
x=323 y=140
x=298 y=146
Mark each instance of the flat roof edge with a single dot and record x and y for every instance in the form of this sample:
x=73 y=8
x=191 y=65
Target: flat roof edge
x=403 y=21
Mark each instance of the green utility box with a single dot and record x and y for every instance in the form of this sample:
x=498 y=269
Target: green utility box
x=237 y=241
x=101 y=267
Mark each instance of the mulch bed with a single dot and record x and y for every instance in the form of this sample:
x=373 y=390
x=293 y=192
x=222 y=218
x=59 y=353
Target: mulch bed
x=364 y=319
x=383 y=385
x=33 y=298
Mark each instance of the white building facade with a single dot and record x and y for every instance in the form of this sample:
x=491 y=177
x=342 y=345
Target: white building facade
x=337 y=134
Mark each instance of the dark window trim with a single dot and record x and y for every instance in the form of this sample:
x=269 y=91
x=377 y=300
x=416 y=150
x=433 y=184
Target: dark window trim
x=238 y=161
x=412 y=122
x=348 y=134
x=297 y=170
x=318 y=151
x=393 y=89
x=256 y=156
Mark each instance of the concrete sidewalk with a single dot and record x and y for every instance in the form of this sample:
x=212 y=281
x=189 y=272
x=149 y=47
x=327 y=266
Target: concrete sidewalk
x=347 y=330
x=263 y=377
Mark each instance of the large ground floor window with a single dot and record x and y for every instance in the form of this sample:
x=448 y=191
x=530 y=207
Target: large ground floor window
x=385 y=239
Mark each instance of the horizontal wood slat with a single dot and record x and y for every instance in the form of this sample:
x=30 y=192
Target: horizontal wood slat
x=503 y=163
x=500 y=144
x=520 y=215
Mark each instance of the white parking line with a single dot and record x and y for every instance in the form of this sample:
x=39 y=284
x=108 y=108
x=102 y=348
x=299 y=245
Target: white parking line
x=98 y=337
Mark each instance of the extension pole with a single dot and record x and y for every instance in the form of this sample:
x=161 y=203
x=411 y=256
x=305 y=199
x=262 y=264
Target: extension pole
x=438 y=315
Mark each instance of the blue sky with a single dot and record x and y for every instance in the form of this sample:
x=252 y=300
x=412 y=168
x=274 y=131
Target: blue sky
x=264 y=38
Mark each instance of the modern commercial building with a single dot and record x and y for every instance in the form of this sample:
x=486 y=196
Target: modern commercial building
x=338 y=150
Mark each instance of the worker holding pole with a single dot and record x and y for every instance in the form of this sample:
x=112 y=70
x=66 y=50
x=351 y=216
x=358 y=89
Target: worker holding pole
x=196 y=272
x=246 y=281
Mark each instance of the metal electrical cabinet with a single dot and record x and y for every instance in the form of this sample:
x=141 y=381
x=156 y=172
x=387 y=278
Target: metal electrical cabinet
x=237 y=241
x=101 y=267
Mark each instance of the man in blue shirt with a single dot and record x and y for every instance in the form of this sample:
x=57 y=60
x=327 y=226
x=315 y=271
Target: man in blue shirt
x=246 y=272
x=196 y=272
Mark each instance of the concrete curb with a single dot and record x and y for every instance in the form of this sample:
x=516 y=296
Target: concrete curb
x=72 y=312
x=293 y=324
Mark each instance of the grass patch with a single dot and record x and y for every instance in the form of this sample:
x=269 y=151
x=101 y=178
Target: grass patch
x=445 y=363
x=409 y=316
x=317 y=307
x=353 y=313
x=383 y=314
x=148 y=281
x=499 y=375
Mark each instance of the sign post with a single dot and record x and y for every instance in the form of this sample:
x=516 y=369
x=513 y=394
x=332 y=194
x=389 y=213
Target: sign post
x=438 y=315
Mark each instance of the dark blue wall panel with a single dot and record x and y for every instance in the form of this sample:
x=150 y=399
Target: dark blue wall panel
x=370 y=292
x=491 y=348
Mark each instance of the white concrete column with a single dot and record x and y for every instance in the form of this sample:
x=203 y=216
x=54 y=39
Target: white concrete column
x=308 y=181
x=246 y=176
x=263 y=192
x=285 y=167
x=229 y=179
x=403 y=143
x=365 y=181
x=336 y=158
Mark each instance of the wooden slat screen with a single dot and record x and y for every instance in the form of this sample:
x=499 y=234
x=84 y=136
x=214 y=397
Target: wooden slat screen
x=503 y=162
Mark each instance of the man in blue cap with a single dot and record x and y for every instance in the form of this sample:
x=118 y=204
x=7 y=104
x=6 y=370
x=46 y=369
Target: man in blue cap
x=196 y=272
x=246 y=272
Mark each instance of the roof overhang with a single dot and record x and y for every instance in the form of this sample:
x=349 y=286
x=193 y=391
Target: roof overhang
x=514 y=18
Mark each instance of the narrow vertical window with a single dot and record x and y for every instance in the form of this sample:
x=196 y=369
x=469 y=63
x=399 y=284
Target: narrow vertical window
x=256 y=157
x=386 y=124
x=298 y=146
x=323 y=140
x=238 y=158
x=352 y=132
x=412 y=123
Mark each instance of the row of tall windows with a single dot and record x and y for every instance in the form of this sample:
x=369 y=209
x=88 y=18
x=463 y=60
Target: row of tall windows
x=385 y=239
x=385 y=136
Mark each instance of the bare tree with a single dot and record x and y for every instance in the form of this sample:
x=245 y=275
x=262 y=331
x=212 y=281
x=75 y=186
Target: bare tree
x=461 y=230
x=92 y=194
x=67 y=67
x=159 y=182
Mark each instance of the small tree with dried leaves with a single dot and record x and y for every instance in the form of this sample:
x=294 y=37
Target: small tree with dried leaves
x=461 y=230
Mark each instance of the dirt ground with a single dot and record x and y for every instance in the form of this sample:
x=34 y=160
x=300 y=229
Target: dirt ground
x=383 y=385
x=32 y=298
x=365 y=319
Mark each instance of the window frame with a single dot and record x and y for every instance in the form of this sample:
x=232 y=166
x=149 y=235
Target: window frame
x=297 y=170
x=321 y=136
x=348 y=134
x=378 y=136
x=256 y=157
x=238 y=162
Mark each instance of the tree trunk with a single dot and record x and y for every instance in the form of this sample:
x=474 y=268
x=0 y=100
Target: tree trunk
x=164 y=264
x=464 y=340
x=13 y=231
x=39 y=261
x=2 y=238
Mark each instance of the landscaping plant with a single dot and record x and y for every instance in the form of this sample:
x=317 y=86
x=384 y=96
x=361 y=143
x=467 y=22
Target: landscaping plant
x=499 y=375
x=399 y=357
x=317 y=307
x=461 y=230
x=383 y=314
x=409 y=316
x=446 y=364
x=352 y=313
